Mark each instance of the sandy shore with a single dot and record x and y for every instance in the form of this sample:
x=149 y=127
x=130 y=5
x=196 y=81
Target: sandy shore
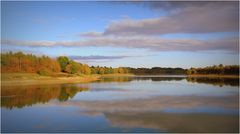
x=35 y=79
x=13 y=79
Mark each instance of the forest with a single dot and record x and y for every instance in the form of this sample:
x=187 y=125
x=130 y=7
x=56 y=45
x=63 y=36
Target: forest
x=28 y=63
x=157 y=71
x=20 y=62
x=219 y=70
x=43 y=65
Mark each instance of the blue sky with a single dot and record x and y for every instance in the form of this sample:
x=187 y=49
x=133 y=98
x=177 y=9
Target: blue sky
x=135 y=34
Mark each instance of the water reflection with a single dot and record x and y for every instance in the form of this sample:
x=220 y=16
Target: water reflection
x=21 y=96
x=124 y=104
x=166 y=113
x=166 y=78
x=115 y=79
x=215 y=81
x=173 y=122
x=140 y=78
x=228 y=104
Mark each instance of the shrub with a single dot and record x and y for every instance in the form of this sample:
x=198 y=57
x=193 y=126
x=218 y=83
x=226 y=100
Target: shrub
x=43 y=72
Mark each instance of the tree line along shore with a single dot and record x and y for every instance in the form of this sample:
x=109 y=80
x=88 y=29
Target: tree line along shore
x=16 y=65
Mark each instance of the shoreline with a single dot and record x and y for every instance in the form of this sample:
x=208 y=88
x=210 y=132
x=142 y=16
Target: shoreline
x=14 y=79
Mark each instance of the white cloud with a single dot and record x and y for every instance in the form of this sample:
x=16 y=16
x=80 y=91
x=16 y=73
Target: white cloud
x=152 y=43
x=206 y=17
x=91 y=34
x=201 y=17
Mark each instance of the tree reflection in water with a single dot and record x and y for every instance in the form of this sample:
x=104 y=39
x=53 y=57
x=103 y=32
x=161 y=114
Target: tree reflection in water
x=215 y=81
x=173 y=104
x=21 y=96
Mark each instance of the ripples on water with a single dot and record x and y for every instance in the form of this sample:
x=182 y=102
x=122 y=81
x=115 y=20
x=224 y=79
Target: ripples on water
x=124 y=104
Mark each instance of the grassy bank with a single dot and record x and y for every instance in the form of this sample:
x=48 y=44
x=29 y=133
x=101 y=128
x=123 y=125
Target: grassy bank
x=8 y=79
x=214 y=76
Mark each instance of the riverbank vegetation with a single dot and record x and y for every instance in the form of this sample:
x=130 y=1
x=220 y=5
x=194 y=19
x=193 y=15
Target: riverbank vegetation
x=19 y=66
x=46 y=66
x=158 y=71
x=215 y=70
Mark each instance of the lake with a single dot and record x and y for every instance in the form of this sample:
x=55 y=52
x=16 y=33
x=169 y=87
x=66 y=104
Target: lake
x=124 y=104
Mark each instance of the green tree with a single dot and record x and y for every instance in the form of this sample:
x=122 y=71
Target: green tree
x=73 y=67
x=63 y=61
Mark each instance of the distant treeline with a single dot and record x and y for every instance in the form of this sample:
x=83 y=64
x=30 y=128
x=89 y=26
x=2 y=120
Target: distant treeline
x=219 y=70
x=44 y=65
x=157 y=71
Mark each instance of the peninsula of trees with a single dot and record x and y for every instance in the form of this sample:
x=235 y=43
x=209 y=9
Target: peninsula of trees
x=43 y=65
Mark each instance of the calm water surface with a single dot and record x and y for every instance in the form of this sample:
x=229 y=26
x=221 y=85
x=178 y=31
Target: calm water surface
x=124 y=104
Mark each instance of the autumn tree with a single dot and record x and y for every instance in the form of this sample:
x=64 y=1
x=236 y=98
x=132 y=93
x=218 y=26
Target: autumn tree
x=72 y=68
x=101 y=70
x=86 y=69
x=20 y=62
